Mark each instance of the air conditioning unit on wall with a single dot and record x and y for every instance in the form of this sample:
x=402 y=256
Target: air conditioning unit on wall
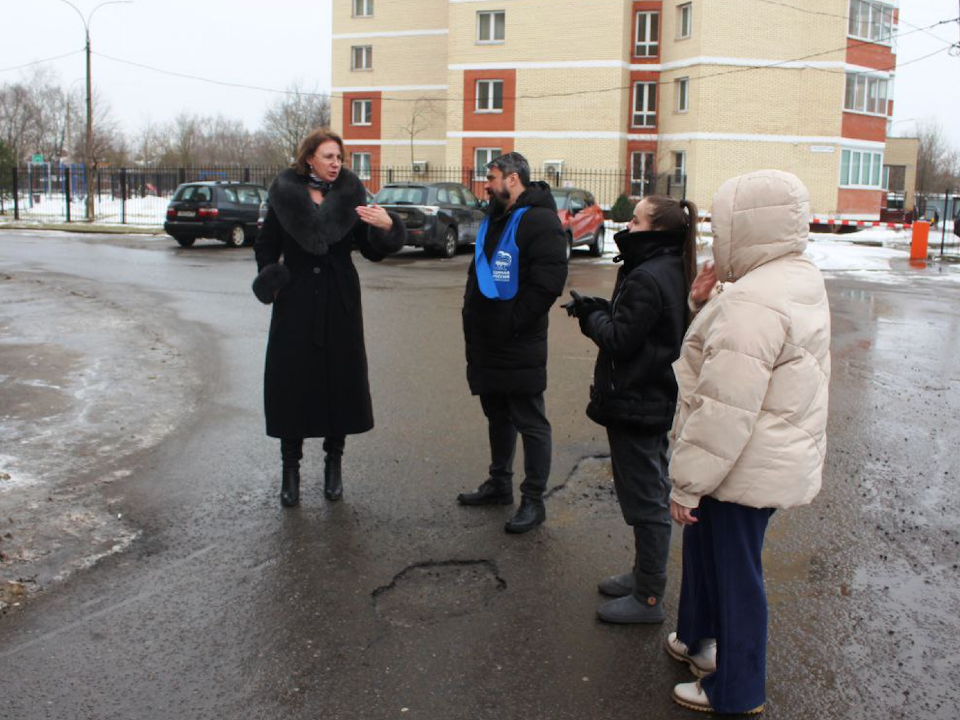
x=553 y=170
x=419 y=167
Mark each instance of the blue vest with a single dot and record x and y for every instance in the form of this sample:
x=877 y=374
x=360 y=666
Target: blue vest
x=499 y=282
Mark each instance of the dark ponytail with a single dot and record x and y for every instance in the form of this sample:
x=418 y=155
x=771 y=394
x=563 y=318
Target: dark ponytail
x=690 y=242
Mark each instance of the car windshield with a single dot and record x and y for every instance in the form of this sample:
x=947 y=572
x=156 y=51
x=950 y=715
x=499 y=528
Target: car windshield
x=561 y=200
x=402 y=196
x=193 y=192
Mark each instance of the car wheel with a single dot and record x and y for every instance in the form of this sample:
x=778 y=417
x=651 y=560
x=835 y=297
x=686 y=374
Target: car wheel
x=237 y=236
x=569 y=239
x=596 y=247
x=184 y=240
x=449 y=248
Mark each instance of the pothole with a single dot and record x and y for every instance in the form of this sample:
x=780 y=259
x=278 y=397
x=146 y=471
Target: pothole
x=429 y=592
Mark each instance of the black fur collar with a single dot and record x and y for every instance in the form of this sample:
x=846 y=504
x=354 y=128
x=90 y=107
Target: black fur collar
x=316 y=228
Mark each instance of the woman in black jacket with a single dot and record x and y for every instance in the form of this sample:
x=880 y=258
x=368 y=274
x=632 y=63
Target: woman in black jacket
x=639 y=332
x=315 y=380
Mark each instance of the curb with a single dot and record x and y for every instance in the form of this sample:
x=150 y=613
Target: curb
x=85 y=228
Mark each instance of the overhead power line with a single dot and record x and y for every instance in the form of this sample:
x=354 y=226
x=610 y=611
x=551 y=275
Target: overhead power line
x=37 y=62
x=574 y=93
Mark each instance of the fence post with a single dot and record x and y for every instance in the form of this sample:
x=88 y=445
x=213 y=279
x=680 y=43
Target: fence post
x=246 y=174
x=15 y=171
x=181 y=176
x=67 y=189
x=123 y=196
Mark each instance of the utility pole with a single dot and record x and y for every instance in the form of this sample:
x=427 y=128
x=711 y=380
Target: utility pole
x=88 y=159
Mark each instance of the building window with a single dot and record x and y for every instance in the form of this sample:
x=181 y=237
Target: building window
x=871 y=21
x=682 y=86
x=489 y=96
x=866 y=94
x=644 y=104
x=360 y=164
x=363 y=8
x=680 y=168
x=362 y=112
x=648 y=35
x=361 y=57
x=684 y=21
x=862 y=169
x=491 y=26
x=642 y=179
x=481 y=158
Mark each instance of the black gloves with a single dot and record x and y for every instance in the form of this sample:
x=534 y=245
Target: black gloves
x=583 y=307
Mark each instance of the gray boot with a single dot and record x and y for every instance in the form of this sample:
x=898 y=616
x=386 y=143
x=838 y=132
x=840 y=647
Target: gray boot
x=617 y=585
x=630 y=611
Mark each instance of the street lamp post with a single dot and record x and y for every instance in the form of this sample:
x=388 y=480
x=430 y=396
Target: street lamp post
x=88 y=144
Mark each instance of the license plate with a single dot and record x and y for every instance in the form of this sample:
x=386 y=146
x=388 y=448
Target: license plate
x=186 y=213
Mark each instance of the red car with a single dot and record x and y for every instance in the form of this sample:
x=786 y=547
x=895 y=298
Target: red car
x=582 y=219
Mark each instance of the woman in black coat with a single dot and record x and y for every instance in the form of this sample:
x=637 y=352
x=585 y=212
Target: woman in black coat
x=315 y=380
x=639 y=332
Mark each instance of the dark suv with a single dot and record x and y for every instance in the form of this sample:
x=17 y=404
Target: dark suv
x=439 y=217
x=222 y=210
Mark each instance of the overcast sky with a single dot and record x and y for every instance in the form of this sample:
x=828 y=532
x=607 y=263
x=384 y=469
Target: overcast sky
x=278 y=43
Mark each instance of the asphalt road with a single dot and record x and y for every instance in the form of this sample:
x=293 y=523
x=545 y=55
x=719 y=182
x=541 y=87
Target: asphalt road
x=168 y=582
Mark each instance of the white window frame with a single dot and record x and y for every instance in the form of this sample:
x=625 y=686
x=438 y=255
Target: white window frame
x=362 y=8
x=871 y=21
x=680 y=166
x=361 y=57
x=861 y=169
x=650 y=46
x=491 y=96
x=684 y=21
x=859 y=90
x=366 y=112
x=480 y=166
x=647 y=92
x=644 y=166
x=361 y=164
x=489 y=18
x=682 y=91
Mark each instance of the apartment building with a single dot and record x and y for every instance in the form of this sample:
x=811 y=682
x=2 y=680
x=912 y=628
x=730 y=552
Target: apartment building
x=695 y=90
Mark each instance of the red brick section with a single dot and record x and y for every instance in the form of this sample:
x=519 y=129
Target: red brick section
x=489 y=122
x=637 y=146
x=361 y=132
x=864 y=127
x=373 y=184
x=644 y=6
x=466 y=159
x=871 y=55
x=858 y=202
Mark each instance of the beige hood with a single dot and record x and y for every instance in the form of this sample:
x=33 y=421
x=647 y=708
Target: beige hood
x=757 y=218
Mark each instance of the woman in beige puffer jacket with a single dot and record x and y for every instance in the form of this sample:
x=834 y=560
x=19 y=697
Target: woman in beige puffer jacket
x=749 y=434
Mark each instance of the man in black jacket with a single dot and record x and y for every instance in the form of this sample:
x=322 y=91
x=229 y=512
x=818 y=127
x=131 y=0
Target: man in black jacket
x=518 y=272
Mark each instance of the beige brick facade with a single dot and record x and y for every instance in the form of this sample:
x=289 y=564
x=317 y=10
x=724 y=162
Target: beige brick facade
x=766 y=87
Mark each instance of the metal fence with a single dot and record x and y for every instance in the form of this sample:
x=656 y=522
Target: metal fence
x=139 y=195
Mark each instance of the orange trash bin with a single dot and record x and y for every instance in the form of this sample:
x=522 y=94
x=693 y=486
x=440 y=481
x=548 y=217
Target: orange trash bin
x=918 y=244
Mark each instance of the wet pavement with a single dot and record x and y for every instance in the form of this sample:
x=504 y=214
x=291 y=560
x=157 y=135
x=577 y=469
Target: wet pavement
x=160 y=578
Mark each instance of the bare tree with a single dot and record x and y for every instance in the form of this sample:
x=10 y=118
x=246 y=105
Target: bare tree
x=291 y=117
x=420 y=113
x=937 y=162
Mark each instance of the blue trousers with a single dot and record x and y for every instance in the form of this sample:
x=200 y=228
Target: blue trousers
x=722 y=597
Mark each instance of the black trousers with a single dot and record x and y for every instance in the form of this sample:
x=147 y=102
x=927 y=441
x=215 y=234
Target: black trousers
x=639 y=463
x=291 y=449
x=508 y=415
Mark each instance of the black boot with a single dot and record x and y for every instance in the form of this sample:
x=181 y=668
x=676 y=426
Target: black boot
x=530 y=514
x=490 y=492
x=290 y=452
x=332 y=477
